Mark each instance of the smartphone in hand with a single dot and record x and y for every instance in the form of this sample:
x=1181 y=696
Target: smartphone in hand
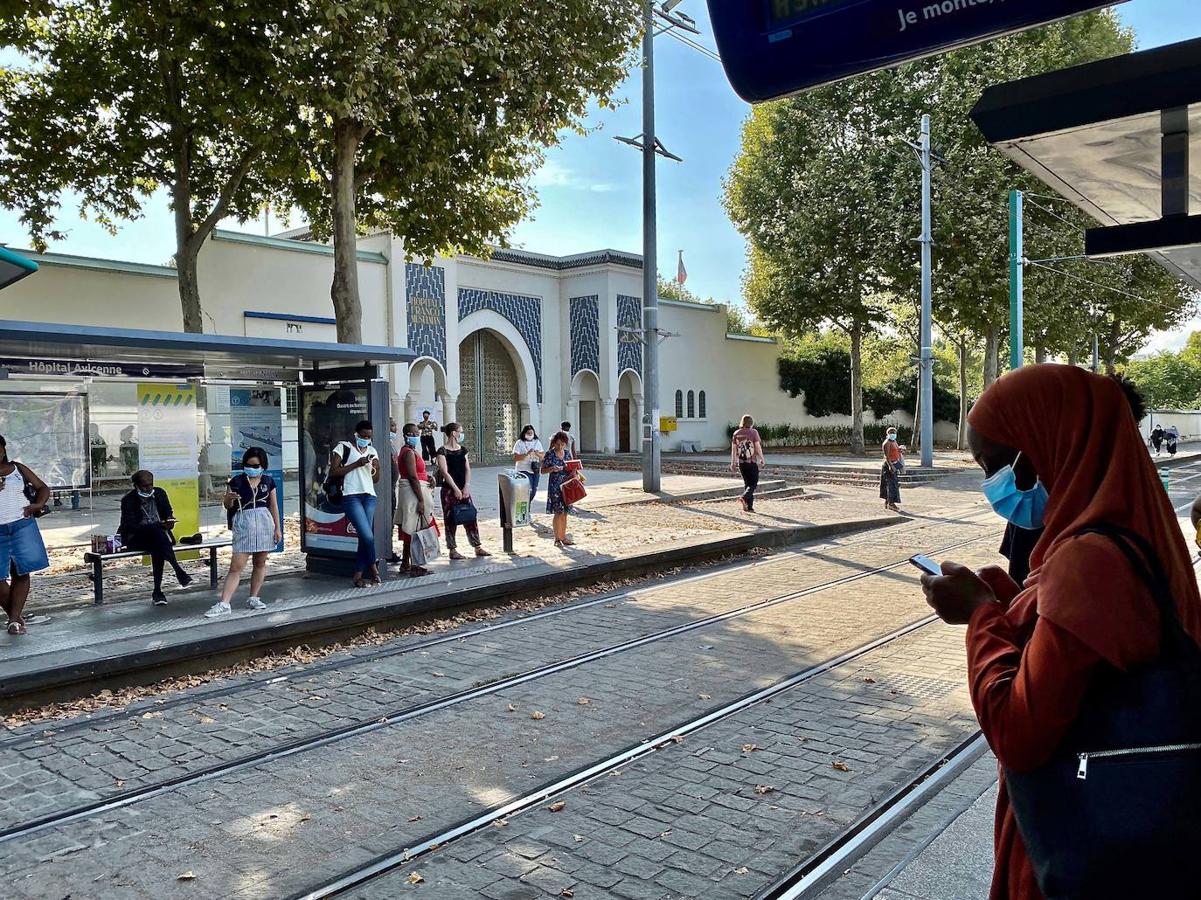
x=926 y=564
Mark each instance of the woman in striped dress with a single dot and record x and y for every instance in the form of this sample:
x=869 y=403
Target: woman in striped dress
x=251 y=503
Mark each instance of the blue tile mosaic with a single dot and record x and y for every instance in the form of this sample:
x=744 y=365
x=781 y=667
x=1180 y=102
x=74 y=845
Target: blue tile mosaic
x=524 y=312
x=425 y=288
x=629 y=347
x=585 y=334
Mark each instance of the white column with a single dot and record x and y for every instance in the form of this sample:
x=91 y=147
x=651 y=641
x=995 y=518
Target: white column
x=636 y=425
x=450 y=410
x=609 y=425
x=525 y=417
x=573 y=416
x=410 y=415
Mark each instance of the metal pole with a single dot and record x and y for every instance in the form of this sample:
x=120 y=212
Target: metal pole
x=927 y=354
x=650 y=264
x=1017 y=278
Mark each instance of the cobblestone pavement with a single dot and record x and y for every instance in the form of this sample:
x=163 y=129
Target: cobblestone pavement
x=267 y=830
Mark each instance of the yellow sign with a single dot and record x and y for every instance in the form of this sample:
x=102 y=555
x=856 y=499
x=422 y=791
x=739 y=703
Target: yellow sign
x=167 y=447
x=667 y=424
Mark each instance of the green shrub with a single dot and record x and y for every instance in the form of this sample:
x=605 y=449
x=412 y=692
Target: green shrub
x=778 y=436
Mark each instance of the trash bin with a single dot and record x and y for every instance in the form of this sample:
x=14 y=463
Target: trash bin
x=514 y=498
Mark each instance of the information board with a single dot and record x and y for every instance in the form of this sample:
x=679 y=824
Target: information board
x=49 y=433
x=328 y=416
x=773 y=48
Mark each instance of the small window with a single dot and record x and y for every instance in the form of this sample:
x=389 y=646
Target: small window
x=679 y=404
x=691 y=405
x=290 y=402
x=701 y=404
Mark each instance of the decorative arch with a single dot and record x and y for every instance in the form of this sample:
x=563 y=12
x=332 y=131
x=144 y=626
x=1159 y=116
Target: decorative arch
x=580 y=377
x=700 y=406
x=691 y=405
x=420 y=364
x=510 y=337
x=679 y=404
x=635 y=381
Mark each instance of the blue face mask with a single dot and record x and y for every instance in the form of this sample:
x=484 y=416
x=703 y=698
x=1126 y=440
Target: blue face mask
x=412 y=440
x=1024 y=509
x=252 y=471
x=362 y=442
x=146 y=494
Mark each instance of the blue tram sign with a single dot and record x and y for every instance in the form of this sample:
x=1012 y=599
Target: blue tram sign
x=772 y=48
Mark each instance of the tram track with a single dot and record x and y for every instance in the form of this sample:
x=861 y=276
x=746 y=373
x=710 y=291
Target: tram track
x=409 y=712
x=266 y=679
x=359 y=876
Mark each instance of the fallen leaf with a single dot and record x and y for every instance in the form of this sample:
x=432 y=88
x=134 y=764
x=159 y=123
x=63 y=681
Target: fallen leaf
x=512 y=708
x=152 y=715
x=567 y=892
x=579 y=838
x=763 y=789
x=414 y=878
x=500 y=823
x=306 y=818
x=583 y=701
x=677 y=738
x=187 y=876
x=120 y=783
x=416 y=818
x=840 y=766
x=557 y=806
x=537 y=715
x=438 y=674
x=749 y=748
x=741 y=870
x=869 y=681
x=705 y=696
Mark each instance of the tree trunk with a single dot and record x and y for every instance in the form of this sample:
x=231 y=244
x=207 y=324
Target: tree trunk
x=344 y=291
x=1074 y=356
x=189 y=286
x=857 y=389
x=185 y=243
x=992 y=354
x=962 y=442
x=1111 y=347
x=1040 y=354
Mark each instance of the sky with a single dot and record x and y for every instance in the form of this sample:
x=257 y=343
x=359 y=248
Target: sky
x=590 y=186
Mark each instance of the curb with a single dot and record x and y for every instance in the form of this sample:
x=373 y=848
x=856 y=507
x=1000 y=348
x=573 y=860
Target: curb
x=70 y=674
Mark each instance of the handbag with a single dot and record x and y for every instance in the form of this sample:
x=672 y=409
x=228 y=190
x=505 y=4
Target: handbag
x=335 y=488
x=463 y=512
x=1114 y=813
x=572 y=491
x=426 y=547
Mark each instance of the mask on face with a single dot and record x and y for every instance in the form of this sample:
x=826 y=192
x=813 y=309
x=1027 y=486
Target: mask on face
x=252 y=471
x=528 y=436
x=412 y=440
x=1024 y=509
x=362 y=443
x=146 y=495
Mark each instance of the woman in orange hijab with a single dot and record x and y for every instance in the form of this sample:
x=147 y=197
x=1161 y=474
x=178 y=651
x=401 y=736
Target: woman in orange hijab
x=1071 y=452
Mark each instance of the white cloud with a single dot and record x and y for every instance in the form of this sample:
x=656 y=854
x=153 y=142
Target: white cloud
x=556 y=175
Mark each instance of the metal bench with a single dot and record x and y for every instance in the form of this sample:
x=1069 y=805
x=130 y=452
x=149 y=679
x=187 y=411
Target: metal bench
x=98 y=560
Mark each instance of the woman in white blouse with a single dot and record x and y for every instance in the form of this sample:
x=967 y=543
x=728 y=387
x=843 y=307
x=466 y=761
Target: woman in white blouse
x=527 y=457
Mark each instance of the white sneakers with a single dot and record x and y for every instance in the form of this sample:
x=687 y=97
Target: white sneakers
x=220 y=608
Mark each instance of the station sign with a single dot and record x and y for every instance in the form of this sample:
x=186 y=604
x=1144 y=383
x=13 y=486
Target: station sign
x=774 y=48
x=78 y=368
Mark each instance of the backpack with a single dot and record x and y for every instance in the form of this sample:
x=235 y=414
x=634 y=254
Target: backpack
x=334 y=487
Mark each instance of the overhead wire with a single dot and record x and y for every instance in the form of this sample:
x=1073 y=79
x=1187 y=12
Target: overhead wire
x=688 y=42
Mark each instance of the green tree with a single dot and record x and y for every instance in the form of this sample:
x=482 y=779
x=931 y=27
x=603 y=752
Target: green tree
x=114 y=99
x=1167 y=380
x=429 y=119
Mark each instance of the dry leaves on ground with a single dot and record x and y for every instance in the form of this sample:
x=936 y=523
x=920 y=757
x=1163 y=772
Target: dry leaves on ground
x=762 y=789
x=749 y=748
x=537 y=714
x=558 y=806
x=741 y=870
x=583 y=701
x=187 y=876
x=415 y=878
x=840 y=766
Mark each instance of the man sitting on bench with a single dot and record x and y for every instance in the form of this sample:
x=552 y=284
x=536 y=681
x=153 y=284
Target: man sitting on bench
x=146 y=523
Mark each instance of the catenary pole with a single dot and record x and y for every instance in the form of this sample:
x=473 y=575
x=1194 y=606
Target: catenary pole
x=927 y=355
x=650 y=264
x=1017 y=277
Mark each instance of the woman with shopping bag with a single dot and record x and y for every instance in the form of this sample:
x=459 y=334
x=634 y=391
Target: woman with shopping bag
x=454 y=465
x=414 y=500
x=555 y=464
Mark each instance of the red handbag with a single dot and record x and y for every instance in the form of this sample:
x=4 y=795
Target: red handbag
x=572 y=491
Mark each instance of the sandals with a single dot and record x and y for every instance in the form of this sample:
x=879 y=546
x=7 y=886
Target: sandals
x=16 y=628
x=455 y=554
x=375 y=576
x=480 y=551
x=357 y=580
x=418 y=571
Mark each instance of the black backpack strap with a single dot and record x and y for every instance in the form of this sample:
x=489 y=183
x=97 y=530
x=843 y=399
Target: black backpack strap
x=1147 y=567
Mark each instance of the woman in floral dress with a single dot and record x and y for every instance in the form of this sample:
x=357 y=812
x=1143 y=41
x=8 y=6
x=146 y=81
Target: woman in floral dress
x=554 y=465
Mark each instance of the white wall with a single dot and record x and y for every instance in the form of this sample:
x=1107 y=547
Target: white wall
x=1187 y=422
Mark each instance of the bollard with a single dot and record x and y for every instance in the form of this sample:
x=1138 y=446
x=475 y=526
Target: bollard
x=514 y=490
x=1165 y=479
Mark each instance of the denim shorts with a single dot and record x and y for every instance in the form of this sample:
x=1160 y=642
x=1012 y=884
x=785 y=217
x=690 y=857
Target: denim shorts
x=21 y=546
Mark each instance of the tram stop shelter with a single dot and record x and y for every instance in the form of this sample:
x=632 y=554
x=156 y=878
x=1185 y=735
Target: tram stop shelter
x=332 y=385
x=1115 y=138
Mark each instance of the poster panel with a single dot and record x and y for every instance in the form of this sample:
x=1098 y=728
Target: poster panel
x=256 y=420
x=168 y=448
x=328 y=415
x=49 y=433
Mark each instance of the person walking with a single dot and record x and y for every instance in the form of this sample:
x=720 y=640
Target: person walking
x=357 y=464
x=565 y=427
x=746 y=456
x=554 y=464
x=147 y=522
x=252 y=506
x=527 y=457
x=1156 y=440
x=890 y=472
x=22 y=550
x=427 y=428
x=1171 y=435
x=454 y=464
x=1041 y=660
x=414 y=501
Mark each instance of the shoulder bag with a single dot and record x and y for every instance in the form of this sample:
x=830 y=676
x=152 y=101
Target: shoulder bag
x=334 y=488
x=1116 y=812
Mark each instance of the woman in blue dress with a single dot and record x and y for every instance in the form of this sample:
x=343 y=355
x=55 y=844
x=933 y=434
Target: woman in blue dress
x=554 y=465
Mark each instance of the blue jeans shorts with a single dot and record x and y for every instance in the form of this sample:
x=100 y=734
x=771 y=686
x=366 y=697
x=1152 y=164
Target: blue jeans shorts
x=21 y=546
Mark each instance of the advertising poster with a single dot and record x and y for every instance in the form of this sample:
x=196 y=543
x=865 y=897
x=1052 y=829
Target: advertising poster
x=256 y=420
x=328 y=416
x=168 y=448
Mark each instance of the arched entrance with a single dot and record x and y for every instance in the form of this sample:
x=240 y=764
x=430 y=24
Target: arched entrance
x=629 y=403
x=489 y=400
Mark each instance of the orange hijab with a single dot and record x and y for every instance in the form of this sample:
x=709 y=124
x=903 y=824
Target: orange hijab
x=1077 y=430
